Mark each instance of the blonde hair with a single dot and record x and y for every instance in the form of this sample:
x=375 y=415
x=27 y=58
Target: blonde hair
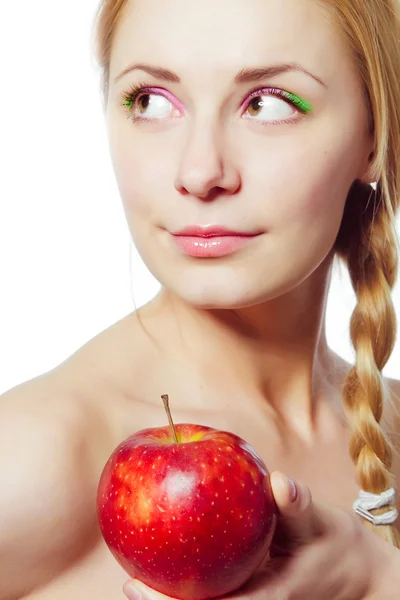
x=367 y=240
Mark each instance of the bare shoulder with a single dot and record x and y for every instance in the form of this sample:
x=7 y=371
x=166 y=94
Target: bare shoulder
x=48 y=482
x=56 y=433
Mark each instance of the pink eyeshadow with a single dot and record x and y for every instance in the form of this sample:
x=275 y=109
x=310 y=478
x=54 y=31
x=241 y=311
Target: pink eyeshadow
x=166 y=95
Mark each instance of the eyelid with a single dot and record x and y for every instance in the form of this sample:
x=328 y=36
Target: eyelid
x=165 y=93
x=252 y=94
x=142 y=88
x=170 y=97
x=296 y=101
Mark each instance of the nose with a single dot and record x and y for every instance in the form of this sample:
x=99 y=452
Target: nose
x=206 y=168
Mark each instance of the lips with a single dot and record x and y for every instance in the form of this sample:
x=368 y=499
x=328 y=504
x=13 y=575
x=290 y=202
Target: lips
x=212 y=231
x=211 y=241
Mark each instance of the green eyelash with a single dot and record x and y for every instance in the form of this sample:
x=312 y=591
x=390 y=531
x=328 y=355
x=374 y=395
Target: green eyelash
x=302 y=105
x=128 y=103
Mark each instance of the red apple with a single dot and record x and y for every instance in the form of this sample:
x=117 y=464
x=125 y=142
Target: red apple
x=187 y=509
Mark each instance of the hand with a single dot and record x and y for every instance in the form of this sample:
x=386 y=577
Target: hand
x=319 y=553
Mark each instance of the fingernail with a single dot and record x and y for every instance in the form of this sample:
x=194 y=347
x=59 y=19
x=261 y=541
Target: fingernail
x=292 y=493
x=132 y=593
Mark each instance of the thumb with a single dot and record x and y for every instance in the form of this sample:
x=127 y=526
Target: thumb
x=299 y=518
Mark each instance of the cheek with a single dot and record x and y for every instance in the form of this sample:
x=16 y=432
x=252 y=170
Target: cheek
x=305 y=181
x=318 y=190
x=141 y=170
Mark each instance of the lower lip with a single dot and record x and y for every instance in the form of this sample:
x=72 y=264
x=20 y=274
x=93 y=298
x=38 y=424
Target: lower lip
x=211 y=247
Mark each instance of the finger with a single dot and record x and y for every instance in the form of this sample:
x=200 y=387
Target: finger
x=261 y=586
x=299 y=518
x=134 y=589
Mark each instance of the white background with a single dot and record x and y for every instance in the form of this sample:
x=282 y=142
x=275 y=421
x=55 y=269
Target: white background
x=65 y=249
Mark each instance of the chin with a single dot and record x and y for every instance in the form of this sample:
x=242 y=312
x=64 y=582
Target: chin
x=215 y=298
x=229 y=291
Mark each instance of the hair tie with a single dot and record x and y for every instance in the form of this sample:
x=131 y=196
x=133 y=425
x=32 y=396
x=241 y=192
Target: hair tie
x=367 y=502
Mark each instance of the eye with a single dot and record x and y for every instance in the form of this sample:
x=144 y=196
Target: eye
x=273 y=105
x=269 y=108
x=153 y=106
x=149 y=104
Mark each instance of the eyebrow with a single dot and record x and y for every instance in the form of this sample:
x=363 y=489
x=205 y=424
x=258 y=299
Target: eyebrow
x=244 y=76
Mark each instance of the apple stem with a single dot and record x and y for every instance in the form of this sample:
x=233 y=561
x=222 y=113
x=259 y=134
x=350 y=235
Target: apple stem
x=171 y=423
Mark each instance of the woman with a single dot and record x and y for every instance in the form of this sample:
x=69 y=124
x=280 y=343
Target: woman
x=244 y=137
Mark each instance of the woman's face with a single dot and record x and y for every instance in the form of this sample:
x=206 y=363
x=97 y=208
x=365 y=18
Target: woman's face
x=213 y=142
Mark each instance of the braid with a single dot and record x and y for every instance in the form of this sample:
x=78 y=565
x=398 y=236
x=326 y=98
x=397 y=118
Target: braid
x=369 y=248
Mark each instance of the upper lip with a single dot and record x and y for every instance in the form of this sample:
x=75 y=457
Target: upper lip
x=206 y=231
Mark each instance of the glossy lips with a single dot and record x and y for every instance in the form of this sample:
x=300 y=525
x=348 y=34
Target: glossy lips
x=211 y=242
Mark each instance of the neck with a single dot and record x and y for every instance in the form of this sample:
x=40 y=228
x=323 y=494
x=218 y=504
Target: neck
x=274 y=352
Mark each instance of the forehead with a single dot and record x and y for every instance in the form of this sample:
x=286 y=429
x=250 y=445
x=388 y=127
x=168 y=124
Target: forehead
x=196 y=38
